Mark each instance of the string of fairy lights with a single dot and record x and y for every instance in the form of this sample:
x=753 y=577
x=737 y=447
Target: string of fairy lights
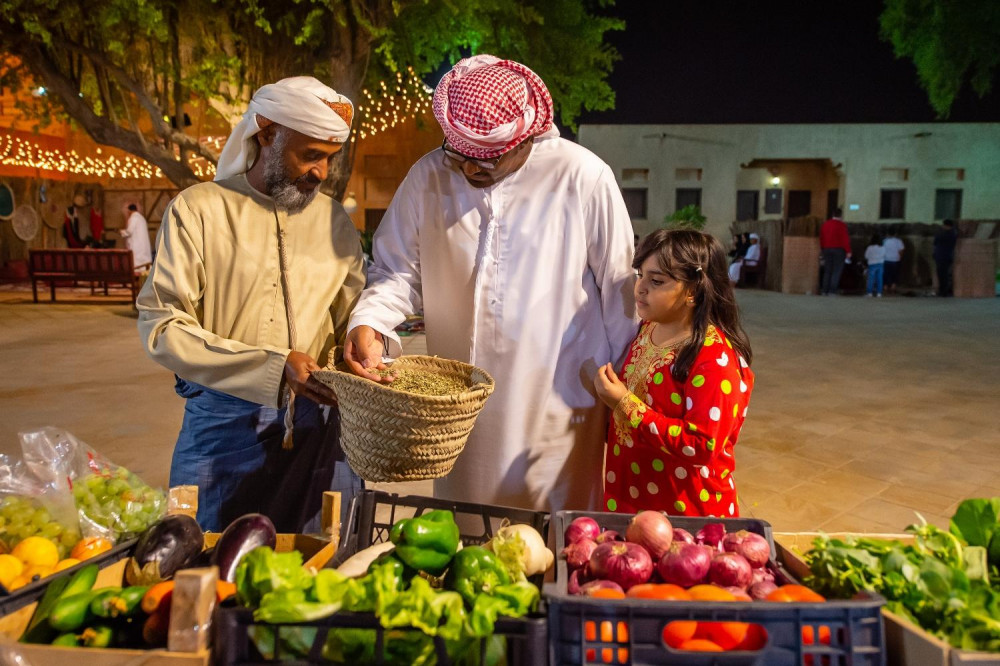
x=393 y=104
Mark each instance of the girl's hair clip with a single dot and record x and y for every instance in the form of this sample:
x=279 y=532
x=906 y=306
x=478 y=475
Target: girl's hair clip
x=697 y=269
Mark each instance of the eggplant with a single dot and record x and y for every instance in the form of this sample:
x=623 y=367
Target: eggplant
x=243 y=535
x=163 y=549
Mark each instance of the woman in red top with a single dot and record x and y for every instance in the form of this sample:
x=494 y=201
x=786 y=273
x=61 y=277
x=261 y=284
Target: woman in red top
x=682 y=395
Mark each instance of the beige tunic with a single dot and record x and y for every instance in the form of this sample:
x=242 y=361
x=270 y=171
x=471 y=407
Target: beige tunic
x=213 y=308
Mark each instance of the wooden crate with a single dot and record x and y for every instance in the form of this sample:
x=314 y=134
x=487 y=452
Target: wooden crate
x=906 y=643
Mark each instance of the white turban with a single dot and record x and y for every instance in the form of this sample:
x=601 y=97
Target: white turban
x=301 y=103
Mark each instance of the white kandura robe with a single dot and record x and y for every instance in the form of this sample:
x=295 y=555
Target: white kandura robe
x=530 y=279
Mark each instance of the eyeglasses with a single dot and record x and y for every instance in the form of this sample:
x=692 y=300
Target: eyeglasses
x=459 y=158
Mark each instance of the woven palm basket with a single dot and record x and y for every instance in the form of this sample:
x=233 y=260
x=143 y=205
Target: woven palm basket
x=391 y=435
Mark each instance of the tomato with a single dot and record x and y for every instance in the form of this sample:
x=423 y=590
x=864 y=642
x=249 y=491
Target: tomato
x=710 y=593
x=809 y=635
x=606 y=594
x=792 y=593
x=679 y=632
x=755 y=639
x=662 y=591
x=700 y=645
x=726 y=635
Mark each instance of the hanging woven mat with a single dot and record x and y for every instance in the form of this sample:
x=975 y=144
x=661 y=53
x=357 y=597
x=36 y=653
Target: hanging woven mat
x=390 y=435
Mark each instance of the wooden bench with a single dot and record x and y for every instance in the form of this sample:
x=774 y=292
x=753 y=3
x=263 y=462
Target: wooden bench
x=756 y=271
x=94 y=266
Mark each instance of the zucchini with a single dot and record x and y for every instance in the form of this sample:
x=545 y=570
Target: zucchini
x=72 y=612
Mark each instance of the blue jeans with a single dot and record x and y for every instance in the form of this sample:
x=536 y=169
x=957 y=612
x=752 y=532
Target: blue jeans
x=231 y=449
x=833 y=266
x=874 y=278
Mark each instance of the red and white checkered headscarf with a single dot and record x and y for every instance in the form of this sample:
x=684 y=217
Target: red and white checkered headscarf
x=486 y=106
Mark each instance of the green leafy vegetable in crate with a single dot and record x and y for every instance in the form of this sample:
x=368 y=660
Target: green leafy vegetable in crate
x=947 y=582
x=117 y=503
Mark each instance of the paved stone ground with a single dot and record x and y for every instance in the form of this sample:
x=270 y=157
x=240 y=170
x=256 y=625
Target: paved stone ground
x=865 y=410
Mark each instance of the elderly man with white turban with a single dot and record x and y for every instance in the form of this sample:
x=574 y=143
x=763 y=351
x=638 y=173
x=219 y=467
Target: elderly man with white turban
x=517 y=246
x=254 y=279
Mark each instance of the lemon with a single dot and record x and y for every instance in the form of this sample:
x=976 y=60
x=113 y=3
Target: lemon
x=37 y=570
x=37 y=551
x=18 y=582
x=10 y=568
x=65 y=564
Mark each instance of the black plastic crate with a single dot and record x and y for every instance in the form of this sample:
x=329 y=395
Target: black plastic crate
x=32 y=592
x=584 y=630
x=371 y=515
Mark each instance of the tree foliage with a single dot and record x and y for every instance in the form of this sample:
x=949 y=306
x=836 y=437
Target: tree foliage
x=124 y=69
x=952 y=43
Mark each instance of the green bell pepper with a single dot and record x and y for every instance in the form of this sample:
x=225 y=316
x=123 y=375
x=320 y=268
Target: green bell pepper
x=474 y=571
x=428 y=542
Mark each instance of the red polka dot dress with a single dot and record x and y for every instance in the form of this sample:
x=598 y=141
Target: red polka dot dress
x=670 y=444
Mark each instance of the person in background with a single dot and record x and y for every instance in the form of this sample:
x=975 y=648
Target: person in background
x=681 y=397
x=516 y=245
x=835 y=246
x=255 y=276
x=894 y=249
x=136 y=235
x=944 y=255
x=76 y=233
x=751 y=257
x=875 y=258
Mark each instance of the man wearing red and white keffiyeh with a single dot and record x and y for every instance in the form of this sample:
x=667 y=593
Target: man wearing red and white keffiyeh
x=517 y=247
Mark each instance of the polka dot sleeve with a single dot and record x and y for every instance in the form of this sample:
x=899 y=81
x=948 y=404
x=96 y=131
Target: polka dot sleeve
x=713 y=400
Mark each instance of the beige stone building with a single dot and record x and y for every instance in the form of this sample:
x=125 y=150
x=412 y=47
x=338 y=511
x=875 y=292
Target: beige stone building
x=877 y=173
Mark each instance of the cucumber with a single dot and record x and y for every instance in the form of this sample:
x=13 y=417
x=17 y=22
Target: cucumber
x=98 y=636
x=116 y=602
x=67 y=640
x=82 y=581
x=103 y=603
x=72 y=612
x=39 y=630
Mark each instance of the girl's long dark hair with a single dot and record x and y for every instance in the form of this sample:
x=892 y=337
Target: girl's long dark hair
x=680 y=254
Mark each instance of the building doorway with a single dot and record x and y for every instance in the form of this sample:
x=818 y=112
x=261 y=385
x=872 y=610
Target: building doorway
x=799 y=203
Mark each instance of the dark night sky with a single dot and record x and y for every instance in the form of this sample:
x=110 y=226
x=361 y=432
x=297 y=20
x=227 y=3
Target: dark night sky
x=743 y=61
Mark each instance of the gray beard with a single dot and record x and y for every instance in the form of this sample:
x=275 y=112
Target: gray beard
x=280 y=187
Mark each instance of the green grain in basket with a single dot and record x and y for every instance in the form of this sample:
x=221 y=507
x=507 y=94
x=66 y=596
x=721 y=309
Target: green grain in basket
x=423 y=382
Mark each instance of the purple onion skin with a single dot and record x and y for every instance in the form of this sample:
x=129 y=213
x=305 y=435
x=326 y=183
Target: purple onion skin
x=609 y=535
x=578 y=554
x=621 y=562
x=760 y=590
x=651 y=530
x=730 y=570
x=739 y=594
x=577 y=579
x=753 y=547
x=685 y=564
x=711 y=535
x=683 y=536
x=582 y=528
x=600 y=585
x=762 y=575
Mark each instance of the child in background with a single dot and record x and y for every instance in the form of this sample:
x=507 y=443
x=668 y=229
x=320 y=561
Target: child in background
x=681 y=397
x=875 y=257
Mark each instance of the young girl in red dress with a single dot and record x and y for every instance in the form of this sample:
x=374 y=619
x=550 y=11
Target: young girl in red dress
x=681 y=397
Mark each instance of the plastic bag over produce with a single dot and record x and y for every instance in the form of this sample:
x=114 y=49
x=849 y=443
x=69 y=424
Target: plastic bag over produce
x=111 y=501
x=30 y=507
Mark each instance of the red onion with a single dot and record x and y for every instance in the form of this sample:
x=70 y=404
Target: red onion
x=683 y=536
x=711 y=535
x=578 y=554
x=730 y=570
x=621 y=562
x=652 y=531
x=582 y=528
x=600 y=585
x=750 y=545
x=685 y=564
x=762 y=575
x=762 y=589
x=739 y=594
x=576 y=579
x=609 y=535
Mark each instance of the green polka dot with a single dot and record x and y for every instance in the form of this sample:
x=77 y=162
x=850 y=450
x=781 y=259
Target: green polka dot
x=617 y=450
x=728 y=343
x=736 y=410
x=612 y=505
x=718 y=497
x=692 y=427
x=709 y=342
x=703 y=495
x=657 y=464
x=635 y=467
x=727 y=387
x=675 y=398
x=658 y=378
x=674 y=430
x=711 y=444
x=724 y=474
x=698 y=381
x=680 y=506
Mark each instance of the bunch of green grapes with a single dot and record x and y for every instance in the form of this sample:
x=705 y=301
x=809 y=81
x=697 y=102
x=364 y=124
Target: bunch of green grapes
x=118 y=503
x=22 y=517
